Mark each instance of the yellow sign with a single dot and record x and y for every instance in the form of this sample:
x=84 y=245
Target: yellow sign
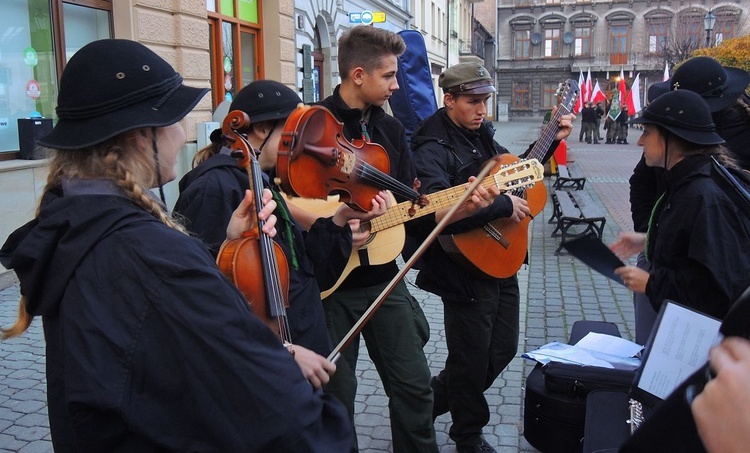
x=378 y=17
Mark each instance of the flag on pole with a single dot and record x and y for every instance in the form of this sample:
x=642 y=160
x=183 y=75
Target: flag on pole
x=666 y=72
x=589 y=89
x=579 y=102
x=633 y=99
x=597 y=95
x=614 y=107
x=622 y=88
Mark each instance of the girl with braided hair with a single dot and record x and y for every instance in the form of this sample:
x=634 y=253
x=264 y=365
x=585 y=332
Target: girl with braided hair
x=148 y=346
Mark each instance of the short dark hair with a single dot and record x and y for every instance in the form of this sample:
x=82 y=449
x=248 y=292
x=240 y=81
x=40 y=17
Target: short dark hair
x=364 y=46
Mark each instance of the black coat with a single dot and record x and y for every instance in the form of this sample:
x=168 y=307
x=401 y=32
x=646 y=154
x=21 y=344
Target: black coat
x=698 y=242
x=149 y=347
x=389 y=133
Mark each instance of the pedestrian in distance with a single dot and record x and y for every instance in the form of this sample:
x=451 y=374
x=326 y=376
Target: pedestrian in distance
x=148 y=346
x=481 y=313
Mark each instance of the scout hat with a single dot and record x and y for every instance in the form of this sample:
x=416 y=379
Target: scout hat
x=113 y=86
x=265 y=100
x=719 y=85
x=466 y=78
x=683 y=113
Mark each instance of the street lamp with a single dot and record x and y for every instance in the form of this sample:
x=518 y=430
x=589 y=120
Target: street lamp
x=708 y=24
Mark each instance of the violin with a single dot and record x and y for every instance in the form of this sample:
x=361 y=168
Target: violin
x=315 y=160
x=255 y=263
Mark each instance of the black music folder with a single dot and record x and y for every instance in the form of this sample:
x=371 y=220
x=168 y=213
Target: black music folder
x=594 y=253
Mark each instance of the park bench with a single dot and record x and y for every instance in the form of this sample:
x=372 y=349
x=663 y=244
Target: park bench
x=576 y=215
x=568 y=178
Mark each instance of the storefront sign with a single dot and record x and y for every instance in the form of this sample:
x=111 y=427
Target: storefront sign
x=366 y=17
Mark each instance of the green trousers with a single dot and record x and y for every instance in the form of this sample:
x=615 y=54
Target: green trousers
x=395 y=337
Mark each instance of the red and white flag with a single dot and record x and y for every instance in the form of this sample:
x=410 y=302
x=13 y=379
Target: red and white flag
x=597 y=95
x=579 y=102
x=622 y=87
x=666 y=72
x=633 y=100
x=589 y=89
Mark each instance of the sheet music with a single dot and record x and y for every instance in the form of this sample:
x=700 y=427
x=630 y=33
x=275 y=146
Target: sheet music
x=678 y=347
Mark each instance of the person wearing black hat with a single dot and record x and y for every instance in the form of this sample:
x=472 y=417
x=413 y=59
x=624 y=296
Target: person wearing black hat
x=397 y=332
x=696 y=234
x=481 y=313
x=148 y=346
x=722 y=88
x=316 y=253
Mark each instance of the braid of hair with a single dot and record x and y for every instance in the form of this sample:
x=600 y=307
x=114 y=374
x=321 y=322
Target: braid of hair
x=23 y=321
x=125 y=180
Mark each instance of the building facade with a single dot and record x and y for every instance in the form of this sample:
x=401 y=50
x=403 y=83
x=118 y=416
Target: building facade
x=544 y=42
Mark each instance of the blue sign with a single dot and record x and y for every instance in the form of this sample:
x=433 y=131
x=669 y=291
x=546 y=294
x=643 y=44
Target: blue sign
x=367 y=17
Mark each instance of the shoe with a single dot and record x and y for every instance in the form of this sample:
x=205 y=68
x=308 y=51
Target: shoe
x=596 y=142
x=483 y=447
x=624 y=142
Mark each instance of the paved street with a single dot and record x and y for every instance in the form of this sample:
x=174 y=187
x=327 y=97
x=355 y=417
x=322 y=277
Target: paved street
x=556 y=291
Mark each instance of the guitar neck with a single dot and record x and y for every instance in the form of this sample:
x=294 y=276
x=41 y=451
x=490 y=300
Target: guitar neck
x=540 y=148
x=405 y=211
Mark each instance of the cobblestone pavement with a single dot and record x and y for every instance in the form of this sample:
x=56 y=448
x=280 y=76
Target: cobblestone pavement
x=555 y=292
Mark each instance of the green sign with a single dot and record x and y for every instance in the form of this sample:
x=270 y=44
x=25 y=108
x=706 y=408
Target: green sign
x=30 y=57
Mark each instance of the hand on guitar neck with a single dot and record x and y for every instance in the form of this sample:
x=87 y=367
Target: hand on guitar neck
x=482 y=198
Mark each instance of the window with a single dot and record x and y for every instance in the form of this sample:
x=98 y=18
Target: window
x=552 y=42
x=522 y=44
x=619 y=44
x=724 y=28
x=689 y=31
x=521 y=95
x=34 y=54
x=234 y=37
x=549 y=94
x=582 y=40
x=657 y=37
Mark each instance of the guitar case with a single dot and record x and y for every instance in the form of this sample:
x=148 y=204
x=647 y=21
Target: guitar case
x=415 y=99
x=555 y=421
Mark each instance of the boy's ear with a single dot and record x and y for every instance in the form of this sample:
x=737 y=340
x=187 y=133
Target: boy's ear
x=357 y=75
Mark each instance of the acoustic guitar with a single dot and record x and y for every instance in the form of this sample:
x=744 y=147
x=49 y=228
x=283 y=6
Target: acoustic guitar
x=387 y=232
x=499 y=248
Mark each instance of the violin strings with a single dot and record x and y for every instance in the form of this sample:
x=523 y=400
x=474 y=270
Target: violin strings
x=384 y=181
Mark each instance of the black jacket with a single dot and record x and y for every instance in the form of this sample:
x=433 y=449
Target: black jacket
x=209 y=194
x=389 y=133
x=446 y=156
x=149 y=347
x=698 y=242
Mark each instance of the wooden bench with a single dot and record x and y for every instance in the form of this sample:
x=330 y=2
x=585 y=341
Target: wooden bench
x=568 y=178
x=576 y=215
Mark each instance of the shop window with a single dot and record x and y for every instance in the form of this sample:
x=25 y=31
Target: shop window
x=37 y=39
x=234 y=35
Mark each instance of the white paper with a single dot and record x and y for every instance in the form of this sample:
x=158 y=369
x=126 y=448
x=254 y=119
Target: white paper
x=683 y=339
x=609 y=344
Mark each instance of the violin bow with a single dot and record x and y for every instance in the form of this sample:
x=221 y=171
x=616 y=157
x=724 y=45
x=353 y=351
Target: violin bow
x=360 y=324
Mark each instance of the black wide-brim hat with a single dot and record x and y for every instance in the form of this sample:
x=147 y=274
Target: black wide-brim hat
x=266 y=100
x=113 y=86
x=718 y=85
x=683 y=113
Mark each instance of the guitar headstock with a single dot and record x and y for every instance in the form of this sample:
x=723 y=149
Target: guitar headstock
x=519 y=174
x=568 y=92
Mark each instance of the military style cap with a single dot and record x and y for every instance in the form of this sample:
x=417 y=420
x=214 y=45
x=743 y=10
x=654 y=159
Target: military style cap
x=466 y=78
